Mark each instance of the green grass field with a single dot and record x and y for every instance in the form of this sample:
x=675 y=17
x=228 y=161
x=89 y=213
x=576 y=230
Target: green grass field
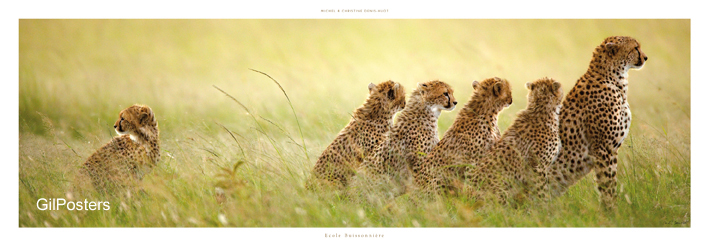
x=76 y=75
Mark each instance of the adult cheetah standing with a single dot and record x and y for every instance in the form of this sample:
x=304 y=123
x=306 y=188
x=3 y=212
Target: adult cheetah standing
x=362 y=135
x=128 y=156
x=410 y=140
x=516 y=166
x=595 y=119
x=472 y=134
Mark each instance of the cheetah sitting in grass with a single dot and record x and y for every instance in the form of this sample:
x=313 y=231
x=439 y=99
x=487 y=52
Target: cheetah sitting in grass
x=361 y=137
x=595 y=119
x=472 y=134
x=130 y=155
x=410 y=140
x=515 y=166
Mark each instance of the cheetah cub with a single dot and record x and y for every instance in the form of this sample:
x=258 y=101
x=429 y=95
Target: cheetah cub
x=515 y=166
x=472 y=134
x=410 y=140
x=361 y=137
x=128 y=156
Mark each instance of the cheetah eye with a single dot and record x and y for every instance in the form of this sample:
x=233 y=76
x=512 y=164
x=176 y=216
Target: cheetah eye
x=122 y=118
x=636 y=50
x=445 y=93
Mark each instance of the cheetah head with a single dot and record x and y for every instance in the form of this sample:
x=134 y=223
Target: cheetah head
x=134 y=119
x=545 y=91
x=496 y=89
x=437 y=95
x=624 y=49
x=390 y=93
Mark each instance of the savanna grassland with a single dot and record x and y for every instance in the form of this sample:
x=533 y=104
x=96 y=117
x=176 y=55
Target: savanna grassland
x=259 y=146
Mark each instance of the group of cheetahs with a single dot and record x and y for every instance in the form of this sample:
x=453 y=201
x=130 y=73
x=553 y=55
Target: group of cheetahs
x=552 y=143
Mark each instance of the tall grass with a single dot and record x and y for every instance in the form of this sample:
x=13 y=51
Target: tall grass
x=229 y=158
x=300 y=129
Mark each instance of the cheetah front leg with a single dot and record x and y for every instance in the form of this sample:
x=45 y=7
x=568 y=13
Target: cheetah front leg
x=606 y=166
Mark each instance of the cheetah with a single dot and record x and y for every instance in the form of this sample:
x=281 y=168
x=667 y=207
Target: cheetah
x=362 y=135
x=472 y=134
x=595 y=119
x=515 y=166
x=128 y=156
x=410 y=140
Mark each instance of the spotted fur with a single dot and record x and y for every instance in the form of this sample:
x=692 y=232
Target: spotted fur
x=515 y=166
x=595 y=119
x=130 y=155
x=472 y=134
x=362 y=135
x=412 y=137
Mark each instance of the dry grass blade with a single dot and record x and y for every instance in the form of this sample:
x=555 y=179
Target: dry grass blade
x=211 y=152
x=281 y=129
x=243 y=154
x=232 y=98
x=273 y=143
x=305 y=150
x=72 y=149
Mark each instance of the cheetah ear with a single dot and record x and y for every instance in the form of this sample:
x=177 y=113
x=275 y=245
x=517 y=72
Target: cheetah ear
x=497 y=89
x=530 y=85
x=422 y=86
x=476 y=84
x=371 y=86
x=556 y=86
x=392 y=93
x=146 y=115
x=612 y=48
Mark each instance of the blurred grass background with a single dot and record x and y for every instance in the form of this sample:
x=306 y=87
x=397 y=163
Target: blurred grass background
x=76 y=75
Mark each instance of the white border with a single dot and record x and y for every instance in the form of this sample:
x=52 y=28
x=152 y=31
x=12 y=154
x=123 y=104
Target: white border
x=299 y=9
